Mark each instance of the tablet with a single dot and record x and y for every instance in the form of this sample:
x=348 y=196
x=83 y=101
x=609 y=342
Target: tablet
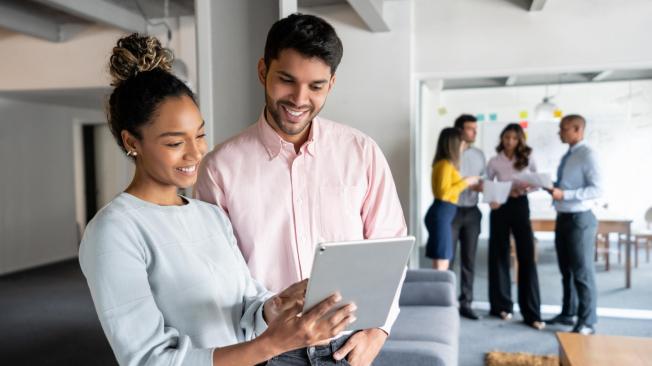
x=365 y=272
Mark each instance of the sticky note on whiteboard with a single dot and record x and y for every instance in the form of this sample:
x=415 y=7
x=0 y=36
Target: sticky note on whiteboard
x=493 y=117
x=522 y=115
x=480 y=117
x=557 y=113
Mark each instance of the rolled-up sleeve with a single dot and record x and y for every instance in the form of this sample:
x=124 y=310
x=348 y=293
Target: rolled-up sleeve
x=253 y=321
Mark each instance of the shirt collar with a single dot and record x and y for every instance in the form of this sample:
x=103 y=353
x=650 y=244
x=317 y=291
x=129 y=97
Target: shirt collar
x=576 y=146
x=270 y=139
x=504 y=156
x=311 y=143
x=274 y=143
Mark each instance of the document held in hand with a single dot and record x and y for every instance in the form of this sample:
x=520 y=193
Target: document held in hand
x=495 y=191
x=538 y=180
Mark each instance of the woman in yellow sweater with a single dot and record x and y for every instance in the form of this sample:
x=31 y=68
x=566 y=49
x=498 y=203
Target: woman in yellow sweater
x=447 y=184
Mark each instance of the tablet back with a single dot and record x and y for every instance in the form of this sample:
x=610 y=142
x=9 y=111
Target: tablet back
x=366 y=272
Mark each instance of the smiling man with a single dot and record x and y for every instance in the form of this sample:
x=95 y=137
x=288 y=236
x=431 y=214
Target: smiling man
x=294 y=179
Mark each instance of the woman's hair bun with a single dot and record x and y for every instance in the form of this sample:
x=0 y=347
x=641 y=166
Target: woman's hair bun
x=138 y=53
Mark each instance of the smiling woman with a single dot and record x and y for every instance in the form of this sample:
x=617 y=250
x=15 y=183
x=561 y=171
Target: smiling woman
x=155 y=119
x=165 y=273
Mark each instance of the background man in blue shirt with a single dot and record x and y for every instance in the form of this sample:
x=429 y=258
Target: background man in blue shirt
x=578 y=181
x=466 y=225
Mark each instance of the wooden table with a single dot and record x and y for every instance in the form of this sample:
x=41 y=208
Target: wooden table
x=604 y=227
x=602 y=350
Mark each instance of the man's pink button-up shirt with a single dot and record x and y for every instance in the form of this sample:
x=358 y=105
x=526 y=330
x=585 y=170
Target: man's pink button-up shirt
x=282 y=203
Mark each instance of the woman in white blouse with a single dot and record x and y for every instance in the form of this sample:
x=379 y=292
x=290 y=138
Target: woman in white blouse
x=512 y=217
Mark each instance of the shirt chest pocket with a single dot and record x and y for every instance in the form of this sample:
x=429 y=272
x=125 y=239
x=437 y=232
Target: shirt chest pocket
x=340 y=209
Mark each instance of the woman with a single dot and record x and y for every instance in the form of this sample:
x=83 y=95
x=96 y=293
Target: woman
x=166 y=276
x=447 y=184
x=514 y=156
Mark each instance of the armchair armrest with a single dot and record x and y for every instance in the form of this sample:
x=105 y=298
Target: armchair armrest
x=428 y=287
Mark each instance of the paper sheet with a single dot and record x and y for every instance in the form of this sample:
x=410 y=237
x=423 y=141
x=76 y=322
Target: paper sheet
x=538 y=180
x=495 y=191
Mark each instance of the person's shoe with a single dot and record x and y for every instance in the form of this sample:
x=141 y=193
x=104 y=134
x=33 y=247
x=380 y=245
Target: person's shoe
x=561 y=319
x=468 y=313
x=505 y=315
x=583 y=329
x=538 y=325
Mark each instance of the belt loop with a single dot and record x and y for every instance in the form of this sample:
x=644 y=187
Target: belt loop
x=334 y=346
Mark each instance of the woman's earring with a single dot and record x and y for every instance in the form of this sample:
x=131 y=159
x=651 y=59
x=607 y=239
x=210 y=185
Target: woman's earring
x=132 y=153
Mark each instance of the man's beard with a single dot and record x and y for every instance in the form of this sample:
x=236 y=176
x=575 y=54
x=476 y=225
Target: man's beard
x=274 y=109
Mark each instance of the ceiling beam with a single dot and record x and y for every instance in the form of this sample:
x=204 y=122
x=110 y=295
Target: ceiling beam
x=371 y=12
x=19 y=20
x=101 y=12
x=602 y=75
x=537 y=5
x=511 y=81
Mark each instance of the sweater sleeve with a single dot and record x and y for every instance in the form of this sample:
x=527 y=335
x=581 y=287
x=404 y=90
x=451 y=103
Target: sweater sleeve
x=114 y=261
x=252 y=321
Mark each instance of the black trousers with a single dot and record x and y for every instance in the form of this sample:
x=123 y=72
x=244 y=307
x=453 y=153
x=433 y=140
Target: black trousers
x=466 y=229
x=513 y=217
x=574 y=241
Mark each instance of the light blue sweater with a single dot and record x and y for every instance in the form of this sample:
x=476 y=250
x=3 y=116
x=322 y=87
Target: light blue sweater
x=169 y=283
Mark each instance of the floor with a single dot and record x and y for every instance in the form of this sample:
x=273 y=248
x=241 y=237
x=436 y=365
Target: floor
x=490 y=333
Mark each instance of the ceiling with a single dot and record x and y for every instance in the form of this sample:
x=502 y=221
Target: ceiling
x=547 y=79
x=313 y=3
x=58 y=20
x=89 y=98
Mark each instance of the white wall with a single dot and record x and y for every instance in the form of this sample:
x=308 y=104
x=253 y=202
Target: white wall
x=372 y=90
x=233 y=43
x=619 y=116
x=113 y=169
x=37 y=198
x=483 y=37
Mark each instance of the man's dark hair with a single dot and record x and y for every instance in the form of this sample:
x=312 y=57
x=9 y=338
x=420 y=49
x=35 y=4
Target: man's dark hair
x=575 y=119
x=309 y=35
x=464 y=118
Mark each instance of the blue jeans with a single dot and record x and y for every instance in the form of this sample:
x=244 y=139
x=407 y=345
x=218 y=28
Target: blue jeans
x=311 y=356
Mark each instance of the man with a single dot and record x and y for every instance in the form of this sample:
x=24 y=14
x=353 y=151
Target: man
x=466 y=225
x=578 y=180
x=294 y=179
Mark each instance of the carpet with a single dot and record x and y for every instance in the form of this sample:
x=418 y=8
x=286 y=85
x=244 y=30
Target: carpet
x=519 y=359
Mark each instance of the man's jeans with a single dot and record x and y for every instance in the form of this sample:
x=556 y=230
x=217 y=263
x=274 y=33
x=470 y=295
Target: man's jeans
x=311 y=356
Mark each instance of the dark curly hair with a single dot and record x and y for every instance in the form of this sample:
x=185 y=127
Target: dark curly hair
x=140 y=70
x=309 y=35
x=522 y=151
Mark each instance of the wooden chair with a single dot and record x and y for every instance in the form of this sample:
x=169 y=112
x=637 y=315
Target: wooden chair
x=644 y=238
x=602 y=246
